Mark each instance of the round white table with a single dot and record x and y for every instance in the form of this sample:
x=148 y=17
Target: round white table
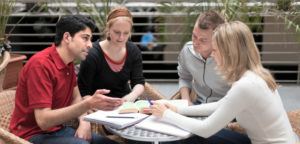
x=138 y=134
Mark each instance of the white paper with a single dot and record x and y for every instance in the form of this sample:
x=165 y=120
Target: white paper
x=119 y=123
x=141 y=120
x=155 y=124
x=177 y=103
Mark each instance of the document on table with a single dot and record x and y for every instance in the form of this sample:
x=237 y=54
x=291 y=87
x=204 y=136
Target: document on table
x=114 y=119
x=155 y=124
x=177 y=103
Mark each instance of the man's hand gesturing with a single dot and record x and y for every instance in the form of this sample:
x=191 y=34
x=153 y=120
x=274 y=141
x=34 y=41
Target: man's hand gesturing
x=102 y=102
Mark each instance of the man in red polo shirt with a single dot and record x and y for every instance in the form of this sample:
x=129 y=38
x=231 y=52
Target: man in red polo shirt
x=47 y=94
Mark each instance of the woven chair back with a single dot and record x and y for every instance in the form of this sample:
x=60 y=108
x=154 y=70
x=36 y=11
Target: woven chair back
x=151 y=93
x=7 y=105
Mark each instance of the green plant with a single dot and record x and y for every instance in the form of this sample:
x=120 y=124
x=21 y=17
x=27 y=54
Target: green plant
x=239 y=10
x=6 y=8
x=99 y=15
x=191 y=13
x=289 y=15
x=232 y=10
x=283 y=5
x=96 y=10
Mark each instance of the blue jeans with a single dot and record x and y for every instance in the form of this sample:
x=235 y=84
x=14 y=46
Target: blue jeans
x=197 y=102
x=66 y=136
x=224 y=136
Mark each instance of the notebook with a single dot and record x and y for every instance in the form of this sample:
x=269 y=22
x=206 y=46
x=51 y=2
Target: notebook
x=114 y=119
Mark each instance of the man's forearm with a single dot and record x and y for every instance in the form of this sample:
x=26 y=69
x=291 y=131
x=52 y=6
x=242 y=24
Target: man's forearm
x=77 y=99
x=47 y=118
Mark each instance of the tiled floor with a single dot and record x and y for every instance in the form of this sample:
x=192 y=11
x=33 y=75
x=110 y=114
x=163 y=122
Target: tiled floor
x=290 y=94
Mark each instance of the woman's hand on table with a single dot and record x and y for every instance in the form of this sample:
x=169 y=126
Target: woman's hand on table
x=158 y=108
x=171 y=107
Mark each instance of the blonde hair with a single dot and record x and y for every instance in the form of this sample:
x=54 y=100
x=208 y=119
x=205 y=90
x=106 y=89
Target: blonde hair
x=238 y=53
x=117 y=13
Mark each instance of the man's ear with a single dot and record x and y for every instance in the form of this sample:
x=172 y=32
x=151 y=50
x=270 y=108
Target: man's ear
x=67 y=37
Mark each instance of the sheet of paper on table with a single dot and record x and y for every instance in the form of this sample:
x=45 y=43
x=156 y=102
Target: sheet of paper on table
x=118 y=121
x=177 y=103
x=155 y=124
x=150 y=123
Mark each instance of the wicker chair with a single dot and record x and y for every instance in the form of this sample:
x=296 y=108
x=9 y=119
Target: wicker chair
x=7 y=104
x=151 y=93
x=4 y=60
x=177 y=95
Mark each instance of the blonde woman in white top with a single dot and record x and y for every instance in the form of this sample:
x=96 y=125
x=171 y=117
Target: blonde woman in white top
x=253 y=98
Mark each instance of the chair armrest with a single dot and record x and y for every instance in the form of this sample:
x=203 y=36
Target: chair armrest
x=151 y=93
x=95 y=128
x=4 y=60
x=294 y=117
x=235 y=127
x=8 y=137
x=177 y=95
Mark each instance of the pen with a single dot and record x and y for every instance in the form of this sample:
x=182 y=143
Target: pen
x=149 y=101
x=120 y=117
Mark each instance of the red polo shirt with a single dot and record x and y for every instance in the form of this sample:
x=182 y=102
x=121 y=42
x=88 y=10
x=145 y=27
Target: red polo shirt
x=45 y=81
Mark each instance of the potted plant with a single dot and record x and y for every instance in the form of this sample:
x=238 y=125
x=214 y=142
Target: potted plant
x=6 y=8
x=11 y=63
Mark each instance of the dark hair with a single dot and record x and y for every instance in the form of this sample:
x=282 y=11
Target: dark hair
x=72 y=24
x=209 y=20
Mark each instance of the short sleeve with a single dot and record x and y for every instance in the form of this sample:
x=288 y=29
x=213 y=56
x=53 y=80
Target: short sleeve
x=40 y=87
